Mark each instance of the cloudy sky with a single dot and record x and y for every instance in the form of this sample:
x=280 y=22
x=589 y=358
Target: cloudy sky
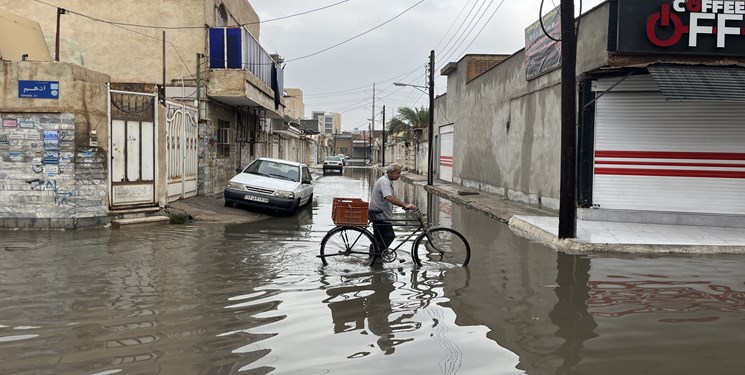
x=335 y=50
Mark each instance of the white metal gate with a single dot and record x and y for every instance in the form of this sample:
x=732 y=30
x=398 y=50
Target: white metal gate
x=133 y=140
x=658 y=155
x=446 y=152
x=181 y=151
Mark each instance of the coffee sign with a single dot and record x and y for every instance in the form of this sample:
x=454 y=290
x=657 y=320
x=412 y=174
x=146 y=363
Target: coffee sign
x=691 y=27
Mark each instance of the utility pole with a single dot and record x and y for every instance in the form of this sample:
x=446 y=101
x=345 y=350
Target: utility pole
x=568 y=188
x=430 y=141
x=372 y=124
x=162 y=91
x=382 y=151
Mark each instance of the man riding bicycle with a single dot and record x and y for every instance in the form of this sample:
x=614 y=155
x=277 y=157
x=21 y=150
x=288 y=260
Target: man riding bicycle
x=380 y=209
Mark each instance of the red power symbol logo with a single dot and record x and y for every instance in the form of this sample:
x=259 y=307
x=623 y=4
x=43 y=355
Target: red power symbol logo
x=664 y=17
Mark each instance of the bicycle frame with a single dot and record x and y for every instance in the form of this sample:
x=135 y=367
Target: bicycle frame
x=419 y=224
x=419 y=229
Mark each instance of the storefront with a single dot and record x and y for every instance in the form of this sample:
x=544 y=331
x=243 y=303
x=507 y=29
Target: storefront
x=665 y=141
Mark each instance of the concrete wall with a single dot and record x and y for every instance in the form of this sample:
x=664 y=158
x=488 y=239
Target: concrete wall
x=240 y=12
x=50 y=174
x=507 y=129
x=214 y=171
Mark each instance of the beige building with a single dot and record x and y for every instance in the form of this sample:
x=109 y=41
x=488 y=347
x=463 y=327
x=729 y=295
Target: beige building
x=331 y=123
x=294 y=105
x=13 y=47
x=188 y=80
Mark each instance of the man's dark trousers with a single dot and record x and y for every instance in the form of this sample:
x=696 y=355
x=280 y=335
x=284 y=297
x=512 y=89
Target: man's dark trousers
x=383 y=233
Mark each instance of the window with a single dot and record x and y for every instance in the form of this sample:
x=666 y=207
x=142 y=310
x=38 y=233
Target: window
x=223 y=139
x=221 y=16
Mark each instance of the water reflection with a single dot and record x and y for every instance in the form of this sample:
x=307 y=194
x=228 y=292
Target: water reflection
x=363 y=302
x=253 y=298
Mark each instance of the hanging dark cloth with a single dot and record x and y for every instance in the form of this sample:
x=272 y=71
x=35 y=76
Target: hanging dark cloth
x=275 y=87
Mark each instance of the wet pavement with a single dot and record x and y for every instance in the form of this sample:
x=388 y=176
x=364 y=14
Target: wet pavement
x=541 y=225
x=211 y=297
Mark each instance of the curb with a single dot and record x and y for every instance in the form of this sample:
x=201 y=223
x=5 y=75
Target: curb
x=524 y=229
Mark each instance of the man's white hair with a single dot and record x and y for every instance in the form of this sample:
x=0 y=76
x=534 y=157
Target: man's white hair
x=392 y=167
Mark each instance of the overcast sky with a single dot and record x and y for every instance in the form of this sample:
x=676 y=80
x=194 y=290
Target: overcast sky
x=397 y=37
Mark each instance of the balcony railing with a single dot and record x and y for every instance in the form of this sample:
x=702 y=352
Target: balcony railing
x=236 y=48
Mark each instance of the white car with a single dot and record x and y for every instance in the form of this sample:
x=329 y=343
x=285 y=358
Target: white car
x=271 y=184
x=333 y=163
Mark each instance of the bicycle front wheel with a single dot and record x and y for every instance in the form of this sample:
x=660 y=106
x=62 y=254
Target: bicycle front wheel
x=441 y=245
x=348 y=243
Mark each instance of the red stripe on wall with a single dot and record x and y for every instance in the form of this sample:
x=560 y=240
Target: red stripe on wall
x=446 y=157
x=670 y=164
x=444 y=164
x=670 y=155
x=669 y=173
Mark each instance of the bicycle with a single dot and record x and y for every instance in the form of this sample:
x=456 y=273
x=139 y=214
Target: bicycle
x=352 y=238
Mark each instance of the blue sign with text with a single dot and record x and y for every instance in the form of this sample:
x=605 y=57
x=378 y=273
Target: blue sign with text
x=38 y=89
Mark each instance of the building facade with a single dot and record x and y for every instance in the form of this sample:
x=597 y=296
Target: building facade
x=660 y=138
x=187 y=101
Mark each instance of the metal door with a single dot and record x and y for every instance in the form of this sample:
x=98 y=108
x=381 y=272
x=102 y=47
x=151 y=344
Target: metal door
x=446 y=152
x=133 y=139
x=181 y=151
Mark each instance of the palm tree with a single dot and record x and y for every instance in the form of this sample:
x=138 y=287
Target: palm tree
x=407 y=120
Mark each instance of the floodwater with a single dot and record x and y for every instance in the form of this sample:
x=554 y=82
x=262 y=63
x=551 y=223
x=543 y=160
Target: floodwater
x=254 y=299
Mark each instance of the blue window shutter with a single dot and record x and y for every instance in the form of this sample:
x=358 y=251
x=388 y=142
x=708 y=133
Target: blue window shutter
x=217 y=48
x=234 y=49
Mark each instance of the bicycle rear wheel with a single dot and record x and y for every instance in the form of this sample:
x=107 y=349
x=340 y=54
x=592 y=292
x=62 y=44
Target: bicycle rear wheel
x=350 y=244
x=441 y=245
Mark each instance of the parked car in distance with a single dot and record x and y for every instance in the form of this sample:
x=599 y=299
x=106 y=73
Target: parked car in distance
x=271 y=184
x=333 y=163
x=343 y=158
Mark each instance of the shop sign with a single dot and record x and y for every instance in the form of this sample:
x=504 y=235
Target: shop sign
x=542 y=53
x=690 y=27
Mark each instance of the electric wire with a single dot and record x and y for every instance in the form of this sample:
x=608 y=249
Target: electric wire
x=484 y=25
x=190 y=27
x=464 y=35
x=356 y=36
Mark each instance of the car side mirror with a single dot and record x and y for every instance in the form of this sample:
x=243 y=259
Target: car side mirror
x=307 y=182
x=238 y=170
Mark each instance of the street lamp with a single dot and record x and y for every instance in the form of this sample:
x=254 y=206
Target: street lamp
x=420 y=88
x=431 y=134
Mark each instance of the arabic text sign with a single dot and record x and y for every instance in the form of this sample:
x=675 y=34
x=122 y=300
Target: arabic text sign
x=38 y=89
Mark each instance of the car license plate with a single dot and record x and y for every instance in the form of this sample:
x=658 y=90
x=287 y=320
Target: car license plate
x=256 y=199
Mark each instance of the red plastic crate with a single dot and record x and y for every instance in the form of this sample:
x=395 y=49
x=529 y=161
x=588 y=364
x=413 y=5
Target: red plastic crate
x=349 y=212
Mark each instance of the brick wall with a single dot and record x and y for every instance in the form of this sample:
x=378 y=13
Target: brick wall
x=477 y=65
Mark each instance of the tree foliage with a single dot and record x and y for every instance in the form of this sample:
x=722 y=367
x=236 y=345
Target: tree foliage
x=407 y=120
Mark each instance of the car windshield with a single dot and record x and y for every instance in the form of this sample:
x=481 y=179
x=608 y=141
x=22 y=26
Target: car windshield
x=274 y=169
x=333 y=158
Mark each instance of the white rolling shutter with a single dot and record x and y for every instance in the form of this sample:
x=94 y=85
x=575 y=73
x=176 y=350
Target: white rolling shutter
x=446 y=153
x=657 y=155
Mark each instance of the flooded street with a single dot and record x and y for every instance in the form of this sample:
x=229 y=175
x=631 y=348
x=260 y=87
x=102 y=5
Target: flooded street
x=254 y=299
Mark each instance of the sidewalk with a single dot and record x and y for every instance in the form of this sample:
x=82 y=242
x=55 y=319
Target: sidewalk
x=592 y=236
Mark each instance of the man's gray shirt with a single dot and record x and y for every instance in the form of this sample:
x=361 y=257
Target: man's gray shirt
x=383 y=187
